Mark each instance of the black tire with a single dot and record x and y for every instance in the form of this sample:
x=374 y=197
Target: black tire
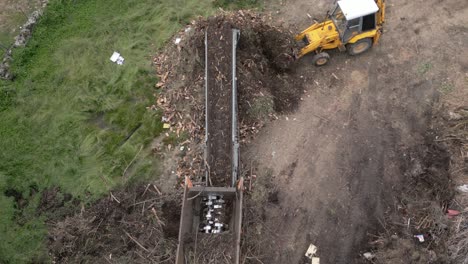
x=359 y=46
x=320 y=59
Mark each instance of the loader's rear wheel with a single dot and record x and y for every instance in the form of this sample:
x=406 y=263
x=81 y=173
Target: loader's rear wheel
x=359 y=46
x=320 y=59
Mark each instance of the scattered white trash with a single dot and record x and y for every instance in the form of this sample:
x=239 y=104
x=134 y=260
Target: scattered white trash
x=311 y=251
x=177 y=41
x=117 y=58
x=368 y=255
x=315 y=260
x=420 y=238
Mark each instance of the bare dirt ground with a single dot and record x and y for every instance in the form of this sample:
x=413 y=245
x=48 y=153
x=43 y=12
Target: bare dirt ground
x=12 y=14
x=338 y=163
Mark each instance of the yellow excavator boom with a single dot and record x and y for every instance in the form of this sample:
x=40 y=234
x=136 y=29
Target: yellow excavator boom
x=380 y=21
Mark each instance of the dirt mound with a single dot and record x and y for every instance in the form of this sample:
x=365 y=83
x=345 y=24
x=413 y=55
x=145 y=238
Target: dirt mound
x=264 y=84
x=137 y=225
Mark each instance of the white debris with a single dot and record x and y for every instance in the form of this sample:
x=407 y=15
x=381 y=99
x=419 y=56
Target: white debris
x=177 y=41
x=420 y=237
x=311 y=251
x=463 y=188
x=368 y=255
x=455 y=116
x=315 y=260
x=117 y=58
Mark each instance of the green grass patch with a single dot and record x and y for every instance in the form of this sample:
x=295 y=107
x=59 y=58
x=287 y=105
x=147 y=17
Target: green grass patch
x=260 y=108
x=446 y=88
x=5 y=41
x=72 y=118
x=424 y=68
x=238 y=4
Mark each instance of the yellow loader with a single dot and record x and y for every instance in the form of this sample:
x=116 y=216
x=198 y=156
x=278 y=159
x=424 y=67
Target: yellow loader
x=353 y=26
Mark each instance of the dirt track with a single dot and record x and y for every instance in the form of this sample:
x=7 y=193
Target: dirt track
x=337 y=162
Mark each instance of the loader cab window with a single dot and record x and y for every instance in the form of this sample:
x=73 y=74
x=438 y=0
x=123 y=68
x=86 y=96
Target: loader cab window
x=339 y=19
x=368 y=22
x=353 y=27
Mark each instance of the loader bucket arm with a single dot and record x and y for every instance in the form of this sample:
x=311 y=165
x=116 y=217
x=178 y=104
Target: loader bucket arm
x=301 y=35
x=312 y=46
x=381 y=13
x=380 y=20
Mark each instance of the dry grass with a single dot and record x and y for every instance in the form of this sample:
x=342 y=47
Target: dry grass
x=459 y=241
x=135 y=225
x=457 y=136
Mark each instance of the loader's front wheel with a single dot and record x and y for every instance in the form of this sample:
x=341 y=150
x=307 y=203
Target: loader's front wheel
x=320 y=59
x=359 y=46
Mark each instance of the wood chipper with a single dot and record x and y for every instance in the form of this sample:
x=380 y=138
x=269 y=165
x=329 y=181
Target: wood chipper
x=353 y=26
x=211 y=217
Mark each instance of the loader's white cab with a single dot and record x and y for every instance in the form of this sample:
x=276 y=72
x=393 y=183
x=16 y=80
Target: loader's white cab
x=352 y=17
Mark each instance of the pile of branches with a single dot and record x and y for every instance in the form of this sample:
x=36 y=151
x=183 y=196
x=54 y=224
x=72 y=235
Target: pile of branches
x=211 y=249
x=130 y=226
x=457 y=131
x=457 y=135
